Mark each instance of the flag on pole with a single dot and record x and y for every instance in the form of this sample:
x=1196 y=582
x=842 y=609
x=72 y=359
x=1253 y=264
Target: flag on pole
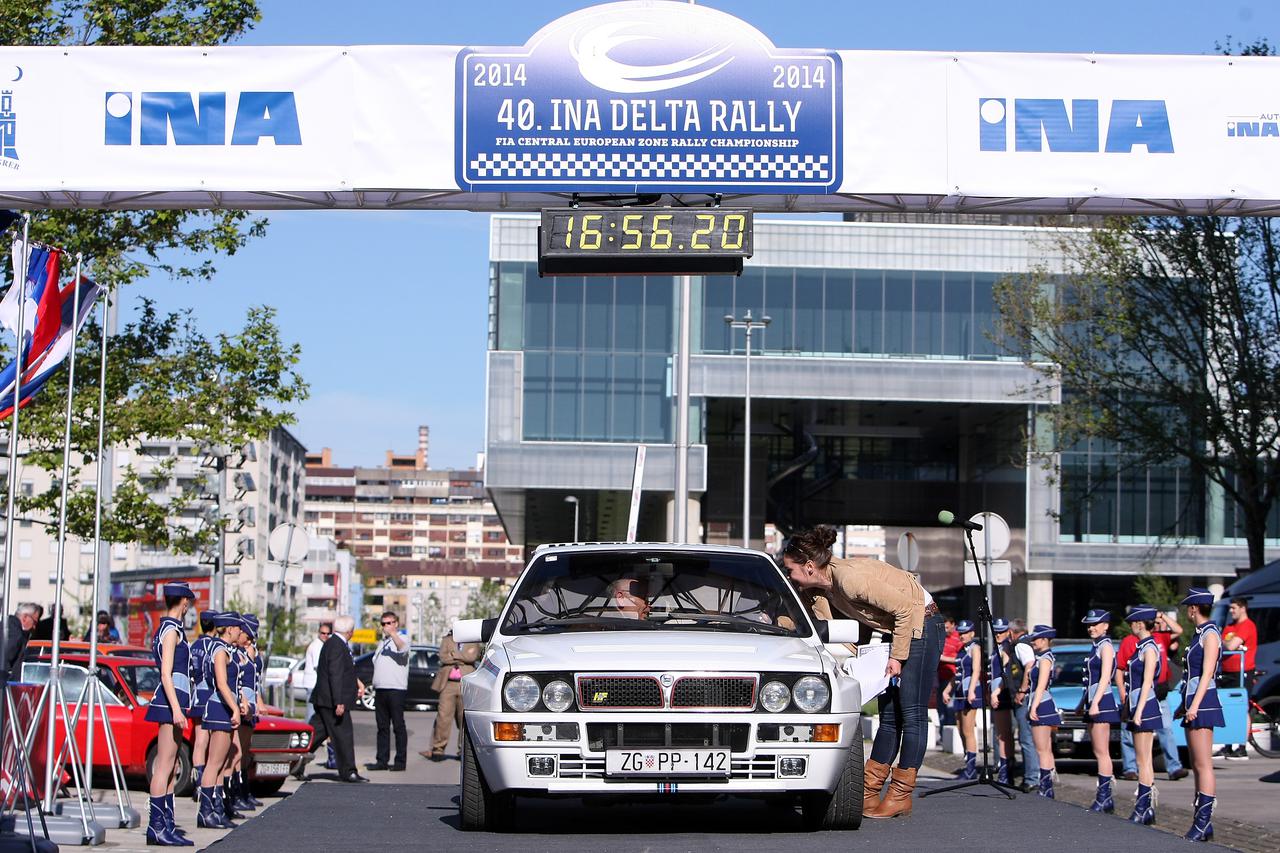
x=37 y=265
x=41 y=370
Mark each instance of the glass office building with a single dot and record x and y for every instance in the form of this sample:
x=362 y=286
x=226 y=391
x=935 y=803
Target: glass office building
x=880 y=395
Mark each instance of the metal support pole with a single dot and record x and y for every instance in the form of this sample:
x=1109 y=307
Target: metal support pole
x=19 y=281
x=680 y=515
x=97 y=525
x=748 y=325
x=217 y=584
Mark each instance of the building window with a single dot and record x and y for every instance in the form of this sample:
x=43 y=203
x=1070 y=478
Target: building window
x=24 y=551
x=24 y=580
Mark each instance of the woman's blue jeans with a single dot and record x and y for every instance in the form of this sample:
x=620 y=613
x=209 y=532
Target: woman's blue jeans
x=904 y=706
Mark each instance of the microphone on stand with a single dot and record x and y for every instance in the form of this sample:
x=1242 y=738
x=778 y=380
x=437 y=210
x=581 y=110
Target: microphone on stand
x=948 y=518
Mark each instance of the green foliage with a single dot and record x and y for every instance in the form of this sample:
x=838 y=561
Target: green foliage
x=486 y=602
x=1165 y=341
x=1157 y=590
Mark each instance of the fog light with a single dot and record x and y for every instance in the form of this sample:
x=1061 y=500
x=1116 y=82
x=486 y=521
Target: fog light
x=826 y=733
x=542 y=765
x=791 y=766
x=508 y=731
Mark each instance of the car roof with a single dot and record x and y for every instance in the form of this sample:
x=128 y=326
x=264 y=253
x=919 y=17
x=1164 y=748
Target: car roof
x=632 y=547
x=118 y=660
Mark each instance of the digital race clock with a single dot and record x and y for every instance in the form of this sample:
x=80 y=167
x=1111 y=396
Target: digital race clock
x=636 y=241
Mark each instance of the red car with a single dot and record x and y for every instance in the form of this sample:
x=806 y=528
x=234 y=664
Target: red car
x=279 y=744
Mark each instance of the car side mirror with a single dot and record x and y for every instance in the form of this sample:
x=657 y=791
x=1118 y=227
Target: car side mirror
x=837 y=630
x=473 y=630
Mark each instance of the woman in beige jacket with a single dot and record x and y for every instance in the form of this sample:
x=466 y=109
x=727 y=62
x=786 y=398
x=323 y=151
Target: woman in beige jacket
x=888 y=599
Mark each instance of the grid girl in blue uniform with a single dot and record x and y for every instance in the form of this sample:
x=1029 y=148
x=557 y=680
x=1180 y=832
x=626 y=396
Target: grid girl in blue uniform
x=221 y=719
x=168 y=708
x=967 y=695
x=200 y=690
x=1143 y=707
x=235 y=787
x=1201 y=708
x=1043 y=716
x=1100 y=709
x=1001 y=699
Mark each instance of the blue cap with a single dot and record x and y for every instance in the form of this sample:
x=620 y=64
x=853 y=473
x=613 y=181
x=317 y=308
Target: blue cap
x=1000 y=624
x=1200 y=596
x=252 y=620
x=1042 y=632
x=178 y=588
x=227 y=619
x=1093 y=617
x=964 y=626
x=1141 y=613
x=249 y=624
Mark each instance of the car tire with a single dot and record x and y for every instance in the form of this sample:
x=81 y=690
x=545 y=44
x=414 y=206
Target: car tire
x=184 y=784
x=368 y=699
x=266 y=787
x=842 y=808
x=479 y=808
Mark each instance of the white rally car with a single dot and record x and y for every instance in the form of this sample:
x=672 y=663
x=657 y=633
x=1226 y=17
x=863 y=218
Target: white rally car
x=636 y=669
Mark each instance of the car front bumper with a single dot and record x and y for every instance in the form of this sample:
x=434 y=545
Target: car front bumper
x=579 y=769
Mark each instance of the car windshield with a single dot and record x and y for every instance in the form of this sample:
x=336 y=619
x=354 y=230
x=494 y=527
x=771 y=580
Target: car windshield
x=645 y=590
x=1069 y=667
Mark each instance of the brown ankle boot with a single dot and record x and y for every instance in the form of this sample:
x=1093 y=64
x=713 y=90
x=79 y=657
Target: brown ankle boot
x=873 y=780
x=897 y=803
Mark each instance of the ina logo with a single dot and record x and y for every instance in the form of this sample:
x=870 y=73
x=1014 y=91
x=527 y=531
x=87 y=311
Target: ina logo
x=1076 y=126
x=200 y=118
x=8 y=128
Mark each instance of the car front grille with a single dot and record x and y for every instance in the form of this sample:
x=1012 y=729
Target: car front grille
x=699 y=691
x=602 y=736
x=604 y=692
x=270 y=740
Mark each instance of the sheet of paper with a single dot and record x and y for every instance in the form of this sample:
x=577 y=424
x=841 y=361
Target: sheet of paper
x=868 y=667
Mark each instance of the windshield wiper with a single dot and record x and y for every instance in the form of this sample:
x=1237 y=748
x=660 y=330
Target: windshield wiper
x=727 y=619
x=615 y=623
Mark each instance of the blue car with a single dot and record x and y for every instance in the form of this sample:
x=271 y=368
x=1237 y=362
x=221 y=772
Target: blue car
x=1072 y=738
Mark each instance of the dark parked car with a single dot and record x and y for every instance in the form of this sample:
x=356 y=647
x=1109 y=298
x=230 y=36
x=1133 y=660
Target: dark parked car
x=424 y=662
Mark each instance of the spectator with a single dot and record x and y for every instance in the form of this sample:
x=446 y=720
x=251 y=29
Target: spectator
x=391 y=684
x=306 y=678
x=44 y=626
x=20 y=626
x=107 y=632
x=1019 y=677
x=455 y=662
x=947 y=671
x=1240 y=635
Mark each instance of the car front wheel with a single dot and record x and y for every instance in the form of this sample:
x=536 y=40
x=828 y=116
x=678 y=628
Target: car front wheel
x=368 y=699
x=842 y=808
x=480 y=808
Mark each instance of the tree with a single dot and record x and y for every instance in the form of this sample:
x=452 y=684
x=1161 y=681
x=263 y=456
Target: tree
x=1165 y=340
x=486 y=602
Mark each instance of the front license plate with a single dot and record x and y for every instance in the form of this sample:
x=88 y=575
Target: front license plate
x=666 y=762
x=271 y=769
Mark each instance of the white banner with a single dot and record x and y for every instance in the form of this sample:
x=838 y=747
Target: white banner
x=578 y=109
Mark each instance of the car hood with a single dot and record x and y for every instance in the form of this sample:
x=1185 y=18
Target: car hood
x=663 y=651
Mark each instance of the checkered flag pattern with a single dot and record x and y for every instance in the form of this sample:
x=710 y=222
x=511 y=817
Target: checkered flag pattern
x=629 y=166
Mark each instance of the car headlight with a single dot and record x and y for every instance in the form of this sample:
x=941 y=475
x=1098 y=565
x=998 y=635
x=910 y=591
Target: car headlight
x=521 y=693
x=557 y=696
x=811 y=694
x=775 y=696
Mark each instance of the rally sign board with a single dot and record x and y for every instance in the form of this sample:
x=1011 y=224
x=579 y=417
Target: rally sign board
x=659 y=96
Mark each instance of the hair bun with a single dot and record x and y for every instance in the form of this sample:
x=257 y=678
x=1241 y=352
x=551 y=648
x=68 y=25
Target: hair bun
x=827 y=535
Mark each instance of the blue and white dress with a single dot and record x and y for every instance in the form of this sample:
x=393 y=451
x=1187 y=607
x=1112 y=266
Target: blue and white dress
x=964 y=678
x=1047 y=713
x=1108 y=710
x=217 y=714
x=159 y=711
x=1210 y=715
x=200 y=687
x=248 y=682
x=1147 y=718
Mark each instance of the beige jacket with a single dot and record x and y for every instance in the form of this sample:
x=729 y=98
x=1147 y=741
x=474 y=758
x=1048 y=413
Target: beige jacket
x=451 y=654
x=879 y=596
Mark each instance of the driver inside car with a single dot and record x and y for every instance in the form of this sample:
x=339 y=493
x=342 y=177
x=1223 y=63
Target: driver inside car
x=627 y=598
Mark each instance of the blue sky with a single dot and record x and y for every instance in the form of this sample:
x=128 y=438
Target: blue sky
x=398 y=338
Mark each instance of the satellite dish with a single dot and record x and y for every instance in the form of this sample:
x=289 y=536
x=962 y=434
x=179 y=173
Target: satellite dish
x=288 y=543
x=995 y=530
x=908 y=551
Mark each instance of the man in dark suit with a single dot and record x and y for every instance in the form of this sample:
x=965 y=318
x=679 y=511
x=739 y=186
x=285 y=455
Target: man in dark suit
x=334 y=698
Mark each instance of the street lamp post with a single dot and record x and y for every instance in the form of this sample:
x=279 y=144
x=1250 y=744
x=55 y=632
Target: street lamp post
x=571 y=499
x=748 y=325
x=417 y=607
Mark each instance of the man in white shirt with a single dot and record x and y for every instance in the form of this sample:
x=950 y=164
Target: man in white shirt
x=1024 y=657
x=390 y=684
x=305 y=678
